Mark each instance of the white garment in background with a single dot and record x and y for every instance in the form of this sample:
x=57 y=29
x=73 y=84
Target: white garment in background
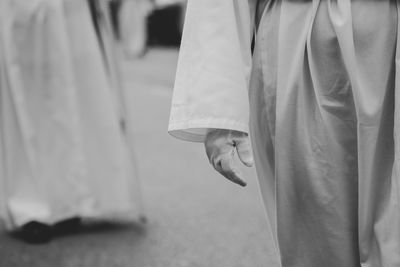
x=62 y=150
x=133 y=25
x=324 y=118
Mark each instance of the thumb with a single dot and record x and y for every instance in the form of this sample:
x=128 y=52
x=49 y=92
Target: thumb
x=244 y=151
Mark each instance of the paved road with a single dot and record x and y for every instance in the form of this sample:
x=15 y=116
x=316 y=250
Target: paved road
x=195 y=217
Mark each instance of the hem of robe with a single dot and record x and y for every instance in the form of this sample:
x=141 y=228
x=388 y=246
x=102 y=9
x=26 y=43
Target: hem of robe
x=196 y=130
x=122 y=216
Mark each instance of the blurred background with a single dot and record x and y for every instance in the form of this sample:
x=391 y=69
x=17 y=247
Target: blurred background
x=188 y=215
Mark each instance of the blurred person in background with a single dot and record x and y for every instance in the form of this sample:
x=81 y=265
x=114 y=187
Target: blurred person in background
x=180 y=3
x=149 y=22
x=166 y=22
x=133 y=16
x=63 y=154
x=323 y=103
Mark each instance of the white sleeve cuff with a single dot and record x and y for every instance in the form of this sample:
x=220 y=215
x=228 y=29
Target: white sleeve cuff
x=196 y=130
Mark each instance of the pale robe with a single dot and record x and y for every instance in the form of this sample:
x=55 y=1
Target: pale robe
x=133 y=25
x=62 y=150
x=323 y=103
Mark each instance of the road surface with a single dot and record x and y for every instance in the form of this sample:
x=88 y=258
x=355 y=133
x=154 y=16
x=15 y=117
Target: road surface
x=195 y=217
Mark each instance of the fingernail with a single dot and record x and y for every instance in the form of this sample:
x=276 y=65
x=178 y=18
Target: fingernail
x=249 y=163
x=243 y=184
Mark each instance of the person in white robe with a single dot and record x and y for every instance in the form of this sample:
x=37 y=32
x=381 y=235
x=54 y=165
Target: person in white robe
x=319 y=98
x=133 y=26
x=63 y=154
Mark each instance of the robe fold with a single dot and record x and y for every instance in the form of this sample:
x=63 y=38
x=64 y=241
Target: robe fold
x=319 y=97
x=63 y=153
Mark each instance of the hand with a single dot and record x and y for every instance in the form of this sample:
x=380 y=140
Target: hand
x=220 y=147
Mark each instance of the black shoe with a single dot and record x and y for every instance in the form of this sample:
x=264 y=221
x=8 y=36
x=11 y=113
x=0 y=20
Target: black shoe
x=36 y=233
x=67 y=227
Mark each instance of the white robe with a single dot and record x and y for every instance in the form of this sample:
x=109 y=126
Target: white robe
x=62 y=151
x=324 y=120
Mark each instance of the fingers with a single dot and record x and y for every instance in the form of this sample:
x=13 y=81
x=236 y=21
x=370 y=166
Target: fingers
x=217 y=145
x=220 y=148
x=226 y=167
x=244 y=151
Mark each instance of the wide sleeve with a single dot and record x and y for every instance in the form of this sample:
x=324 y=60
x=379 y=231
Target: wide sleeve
x=211 y=86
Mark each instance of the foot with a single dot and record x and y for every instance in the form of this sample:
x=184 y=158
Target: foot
x=36 y=233
x=68 y=226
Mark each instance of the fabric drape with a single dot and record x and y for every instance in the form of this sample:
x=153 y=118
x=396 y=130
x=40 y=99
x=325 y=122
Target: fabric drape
x=322 y=108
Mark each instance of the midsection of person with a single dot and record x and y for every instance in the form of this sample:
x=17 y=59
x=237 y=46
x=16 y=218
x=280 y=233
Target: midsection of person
x=322 y=90
x=322 y=119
